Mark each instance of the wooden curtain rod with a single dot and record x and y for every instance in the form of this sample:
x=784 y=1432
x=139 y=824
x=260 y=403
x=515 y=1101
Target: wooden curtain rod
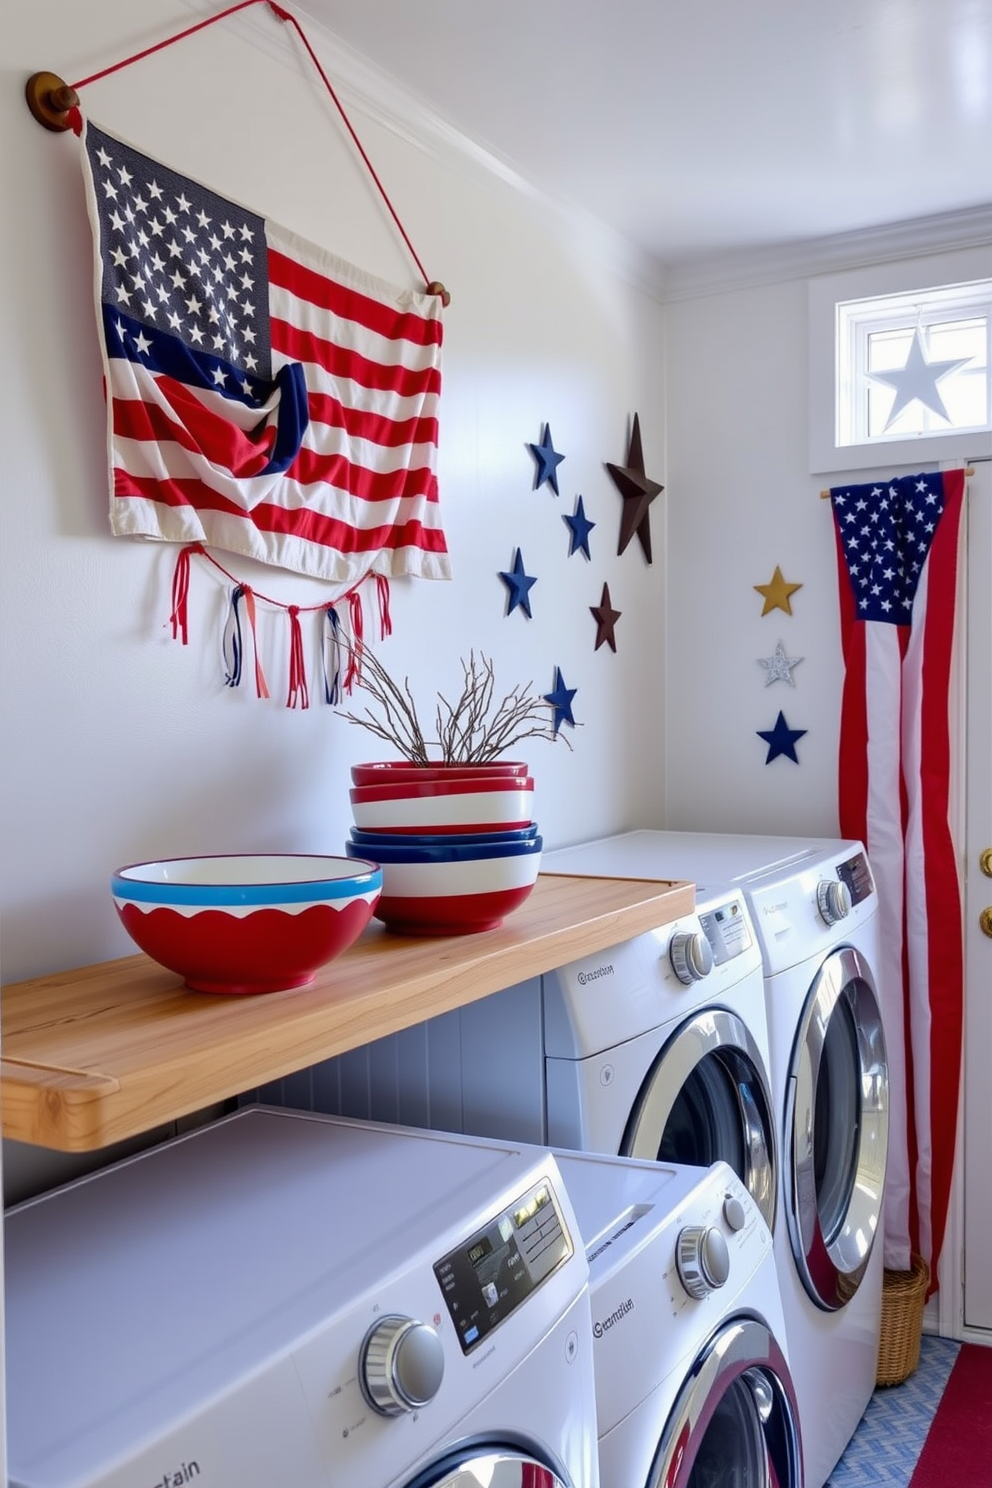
x=968 y=473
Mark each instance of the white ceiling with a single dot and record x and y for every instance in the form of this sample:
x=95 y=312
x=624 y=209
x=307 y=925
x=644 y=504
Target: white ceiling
x=704 y=127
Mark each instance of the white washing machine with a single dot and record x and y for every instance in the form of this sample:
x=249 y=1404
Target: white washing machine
x=693 y=1384
x=657 y=1048
x=280 y=1299
x=814 y=908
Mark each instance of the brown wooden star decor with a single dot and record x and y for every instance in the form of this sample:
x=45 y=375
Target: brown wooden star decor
x=638 y=491
x=606 y=618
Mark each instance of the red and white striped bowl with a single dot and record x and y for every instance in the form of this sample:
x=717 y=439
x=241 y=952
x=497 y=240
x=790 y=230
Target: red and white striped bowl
x=384 y=772
x=469 y=888
x=456 y=804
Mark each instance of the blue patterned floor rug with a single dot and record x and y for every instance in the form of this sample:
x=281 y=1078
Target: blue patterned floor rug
x=886 y=1447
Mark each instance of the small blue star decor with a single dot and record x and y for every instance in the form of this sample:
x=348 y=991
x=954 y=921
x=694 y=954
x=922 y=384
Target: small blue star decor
x=518 y=585
x=548 y=459
x=781 y=740
x=561 y=701
x=580 y=527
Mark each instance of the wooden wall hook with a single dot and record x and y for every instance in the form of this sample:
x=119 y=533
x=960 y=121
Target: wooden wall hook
x=50 y=99
x=437 y=288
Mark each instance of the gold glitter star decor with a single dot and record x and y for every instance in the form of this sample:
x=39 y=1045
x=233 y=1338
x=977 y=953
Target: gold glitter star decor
x=638 y=491
x=778 y=594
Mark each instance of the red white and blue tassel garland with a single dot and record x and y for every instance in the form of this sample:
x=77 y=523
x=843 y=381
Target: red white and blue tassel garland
x=335 y=643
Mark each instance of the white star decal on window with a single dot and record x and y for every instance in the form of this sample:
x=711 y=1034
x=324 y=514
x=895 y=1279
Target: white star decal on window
x=916 y=382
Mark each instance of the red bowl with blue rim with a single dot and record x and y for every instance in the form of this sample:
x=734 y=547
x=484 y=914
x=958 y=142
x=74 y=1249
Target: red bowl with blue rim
x=247 y=922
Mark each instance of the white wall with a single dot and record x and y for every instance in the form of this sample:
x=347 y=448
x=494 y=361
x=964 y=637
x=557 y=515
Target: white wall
x=122 y=745
x=741 y=500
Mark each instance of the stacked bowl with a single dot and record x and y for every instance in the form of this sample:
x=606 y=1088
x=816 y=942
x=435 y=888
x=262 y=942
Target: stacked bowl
x=457 y=844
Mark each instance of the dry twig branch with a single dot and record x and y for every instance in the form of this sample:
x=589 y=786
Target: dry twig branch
x=471 y=730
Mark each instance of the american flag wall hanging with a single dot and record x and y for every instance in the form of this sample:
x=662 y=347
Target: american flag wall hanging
x=897 y=544
x=263 y=396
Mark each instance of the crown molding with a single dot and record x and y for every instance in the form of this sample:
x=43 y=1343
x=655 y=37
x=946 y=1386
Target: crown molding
x=361 y=85
x=943 y=233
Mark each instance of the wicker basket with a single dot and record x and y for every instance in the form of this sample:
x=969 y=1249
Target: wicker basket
x=903 y=1296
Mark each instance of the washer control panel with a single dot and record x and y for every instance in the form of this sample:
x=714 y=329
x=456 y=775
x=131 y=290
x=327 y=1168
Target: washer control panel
x=855 y=874
x=498 y=1267
x=728 y=930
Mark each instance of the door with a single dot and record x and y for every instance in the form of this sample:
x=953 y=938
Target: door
x=488 y=1467
x=706 y=1099
x=977 y=902
x=836 y=1129
x=735 y=1420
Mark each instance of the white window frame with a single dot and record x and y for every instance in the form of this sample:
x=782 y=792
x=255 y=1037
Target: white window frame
x=824 y=295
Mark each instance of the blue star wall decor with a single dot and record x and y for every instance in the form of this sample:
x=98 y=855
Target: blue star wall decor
x=548 y=459
x=580 y=527
x=561 y=701
x=518 y=585
x=781 y=740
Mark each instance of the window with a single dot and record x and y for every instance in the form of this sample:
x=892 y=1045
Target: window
x=902 y=376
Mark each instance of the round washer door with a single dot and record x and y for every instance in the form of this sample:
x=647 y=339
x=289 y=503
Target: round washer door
x=706 y=1098
x=488 y=1466
x=735 y=1421
x=836 y=1129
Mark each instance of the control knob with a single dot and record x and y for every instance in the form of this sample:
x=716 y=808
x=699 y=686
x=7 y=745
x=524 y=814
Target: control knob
x=401 y=1365
x=703 y=1260
x=691 y=956
x=734 y=1212
x=833 y=900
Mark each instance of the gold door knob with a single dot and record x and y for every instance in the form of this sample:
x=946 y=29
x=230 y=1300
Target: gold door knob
x=985 y=862
x=985 y=920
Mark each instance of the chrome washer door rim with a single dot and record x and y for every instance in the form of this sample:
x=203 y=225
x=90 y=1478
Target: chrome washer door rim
x=713 y=1033
x=492 y=1467
x=742 y=1348
x=833 y=1266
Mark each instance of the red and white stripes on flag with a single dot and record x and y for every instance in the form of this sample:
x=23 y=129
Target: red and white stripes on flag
x=898 y=555
x=264 y=396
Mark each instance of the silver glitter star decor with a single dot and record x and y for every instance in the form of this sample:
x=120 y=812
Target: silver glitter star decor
x=778 y=667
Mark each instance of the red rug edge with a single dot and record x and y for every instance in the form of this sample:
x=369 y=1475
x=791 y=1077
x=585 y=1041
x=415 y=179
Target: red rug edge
x=958 y=1446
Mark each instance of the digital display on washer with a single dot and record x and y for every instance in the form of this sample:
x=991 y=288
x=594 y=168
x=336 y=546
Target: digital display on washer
x=500 y=1266
x=857 y=875
x=727 y=930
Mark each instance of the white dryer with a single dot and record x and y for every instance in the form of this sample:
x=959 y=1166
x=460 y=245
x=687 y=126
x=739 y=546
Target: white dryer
x=283 y=1299
x=814 y=908
x=657 y=1048
x=693 y=1383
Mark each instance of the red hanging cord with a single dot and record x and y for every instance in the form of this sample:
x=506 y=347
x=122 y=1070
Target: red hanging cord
x=160 y=45
x=282 y=15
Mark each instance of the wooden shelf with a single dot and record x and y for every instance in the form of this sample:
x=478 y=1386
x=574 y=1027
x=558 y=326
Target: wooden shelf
x=105 y=1052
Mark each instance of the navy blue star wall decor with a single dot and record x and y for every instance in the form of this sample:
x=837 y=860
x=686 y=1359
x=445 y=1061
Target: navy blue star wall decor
x=519 y=585
x=580 y=527
x=606 y=618
x=561 y=701
x=781 y=740
x=638 y=491
x=548 y=459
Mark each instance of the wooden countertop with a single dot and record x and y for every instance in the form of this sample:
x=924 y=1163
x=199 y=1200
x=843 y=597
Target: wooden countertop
x=104 y=1052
